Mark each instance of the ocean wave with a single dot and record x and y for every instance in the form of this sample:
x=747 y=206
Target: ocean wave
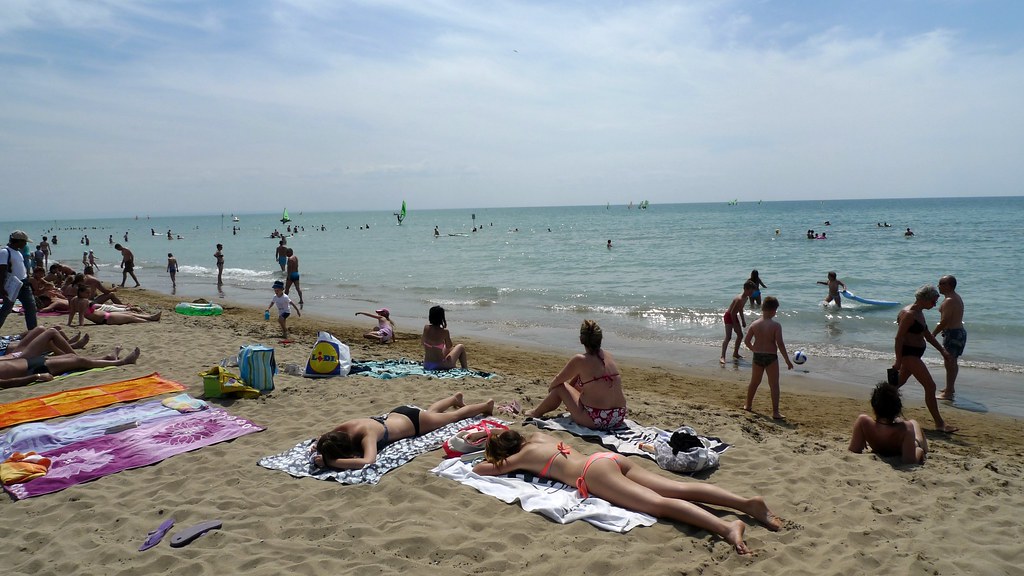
x=451 y=303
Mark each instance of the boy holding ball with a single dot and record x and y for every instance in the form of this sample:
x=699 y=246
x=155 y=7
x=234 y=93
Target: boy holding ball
x=764 y=339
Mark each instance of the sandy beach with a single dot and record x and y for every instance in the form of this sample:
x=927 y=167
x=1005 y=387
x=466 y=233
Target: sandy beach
x=845 y=513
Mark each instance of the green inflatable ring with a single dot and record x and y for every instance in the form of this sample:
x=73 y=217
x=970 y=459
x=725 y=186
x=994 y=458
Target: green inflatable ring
x=197 y=309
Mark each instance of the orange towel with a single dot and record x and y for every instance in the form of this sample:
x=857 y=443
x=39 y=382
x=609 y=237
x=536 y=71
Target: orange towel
x=23 y=467
x=82 y=399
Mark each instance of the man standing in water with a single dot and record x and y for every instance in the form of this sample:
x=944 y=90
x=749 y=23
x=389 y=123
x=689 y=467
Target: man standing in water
x=292 y=278
x=127 y=264
x=219 y=257
x=954 y=336
x=282 y=254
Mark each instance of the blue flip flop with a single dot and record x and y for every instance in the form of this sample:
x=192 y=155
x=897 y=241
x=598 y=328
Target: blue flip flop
x=189 y=534
x=155 y=536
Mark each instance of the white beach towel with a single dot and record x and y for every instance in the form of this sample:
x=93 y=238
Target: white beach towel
x=552 y=499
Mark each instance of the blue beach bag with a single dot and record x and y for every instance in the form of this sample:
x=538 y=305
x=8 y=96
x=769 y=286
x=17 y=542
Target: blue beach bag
x=257 y=366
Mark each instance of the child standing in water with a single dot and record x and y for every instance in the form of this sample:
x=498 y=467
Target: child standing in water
x=172 y=269
x=764 y=339
x=734 y=318
x=833 y=289
x=282 y=301
x=755 y=296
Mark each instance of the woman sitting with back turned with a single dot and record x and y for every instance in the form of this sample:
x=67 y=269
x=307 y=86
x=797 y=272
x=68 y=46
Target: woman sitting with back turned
x=888 y=434
x=355 y=443
x=616 y=479
x=589 y=386
x=438 y=351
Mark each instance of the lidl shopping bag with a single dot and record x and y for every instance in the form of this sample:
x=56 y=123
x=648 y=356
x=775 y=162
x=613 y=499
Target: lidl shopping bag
x=329 y=357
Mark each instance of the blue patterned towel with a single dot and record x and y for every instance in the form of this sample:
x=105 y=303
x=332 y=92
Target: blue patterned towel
x=387 y=369
x=298 y=463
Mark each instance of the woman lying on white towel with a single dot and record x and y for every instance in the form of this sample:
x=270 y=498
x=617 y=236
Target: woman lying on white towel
x=614 y=478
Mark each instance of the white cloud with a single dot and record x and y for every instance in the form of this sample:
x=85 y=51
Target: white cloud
x=492 y=104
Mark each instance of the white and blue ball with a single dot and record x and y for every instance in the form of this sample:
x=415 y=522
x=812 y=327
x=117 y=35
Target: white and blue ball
x=799 y=357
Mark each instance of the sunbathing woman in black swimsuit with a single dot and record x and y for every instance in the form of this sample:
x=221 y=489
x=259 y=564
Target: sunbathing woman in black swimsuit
x=355 y=443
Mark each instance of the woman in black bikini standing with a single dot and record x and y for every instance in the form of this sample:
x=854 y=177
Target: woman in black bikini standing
x=355 y=443
x=910 y=346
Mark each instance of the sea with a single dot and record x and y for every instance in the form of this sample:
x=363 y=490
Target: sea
x=657 y=279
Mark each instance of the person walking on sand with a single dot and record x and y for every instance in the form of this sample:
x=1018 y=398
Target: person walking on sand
x=910 y=347
x=127 y=264
x=833 y=284
x=14 y=284
x=293 y=275
x=954 y=335
x=219 y=257
x=172 y=269
x=281 y=253
x=764 y=339
x=888 y=434
x=282 y=301
x=734 y=319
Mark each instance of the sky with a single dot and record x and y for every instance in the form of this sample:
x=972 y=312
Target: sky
x=168 y=107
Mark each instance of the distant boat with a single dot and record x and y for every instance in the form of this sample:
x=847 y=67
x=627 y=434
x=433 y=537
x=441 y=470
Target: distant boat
x=643 y=205
x=284 y=217
x=401 y=215
x=234 y=218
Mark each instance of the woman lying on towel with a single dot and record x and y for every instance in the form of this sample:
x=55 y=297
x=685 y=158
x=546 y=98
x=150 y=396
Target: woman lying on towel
x=888 y=434
x=589 y=386
x=624 y=483
x=18 y=369
x=355 y=443
x=89 y=310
